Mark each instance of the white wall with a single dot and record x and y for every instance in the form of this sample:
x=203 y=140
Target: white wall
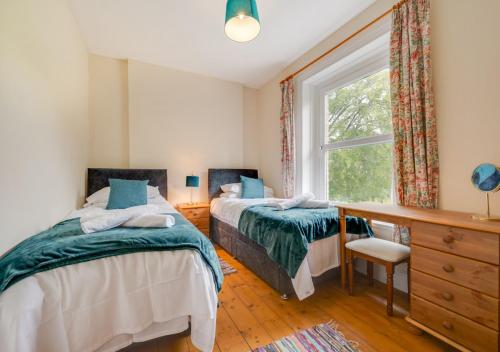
x=184 y=122
x=108 y=112
x=148 y=116
x=466 y=59
x=43 y=116
x=251 y=129
x=268 y=105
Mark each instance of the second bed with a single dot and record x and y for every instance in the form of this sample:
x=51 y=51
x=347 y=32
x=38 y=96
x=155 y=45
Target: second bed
x=240 y=239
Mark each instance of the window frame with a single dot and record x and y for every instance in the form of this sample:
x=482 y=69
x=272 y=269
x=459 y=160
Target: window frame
x=364 y=55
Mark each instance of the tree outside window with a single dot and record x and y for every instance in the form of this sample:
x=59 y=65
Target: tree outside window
x=359 y=141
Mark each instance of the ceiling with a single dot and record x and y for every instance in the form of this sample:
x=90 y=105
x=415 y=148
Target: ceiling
x=189 y=34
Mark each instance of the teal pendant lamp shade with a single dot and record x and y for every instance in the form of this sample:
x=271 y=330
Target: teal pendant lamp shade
x=242 y=20
x=192 y=181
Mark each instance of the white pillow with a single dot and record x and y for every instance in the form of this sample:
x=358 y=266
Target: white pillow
x=231 y=187
x=236 y=188
x=230 y=195
x=268 y=193
x=102 y=195
x=158 y=200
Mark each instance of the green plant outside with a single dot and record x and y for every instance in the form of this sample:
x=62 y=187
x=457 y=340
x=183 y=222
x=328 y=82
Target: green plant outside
x=360 y=109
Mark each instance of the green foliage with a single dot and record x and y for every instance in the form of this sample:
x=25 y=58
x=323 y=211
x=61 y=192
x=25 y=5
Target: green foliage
x=361 y=109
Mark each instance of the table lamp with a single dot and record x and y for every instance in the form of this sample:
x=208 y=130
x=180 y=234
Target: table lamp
x=192 y=182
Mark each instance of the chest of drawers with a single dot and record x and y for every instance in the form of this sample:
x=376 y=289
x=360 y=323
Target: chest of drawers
x=455 y=284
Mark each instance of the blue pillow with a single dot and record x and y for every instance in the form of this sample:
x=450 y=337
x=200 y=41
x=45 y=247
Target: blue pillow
x=251 y=187
x=127 y=193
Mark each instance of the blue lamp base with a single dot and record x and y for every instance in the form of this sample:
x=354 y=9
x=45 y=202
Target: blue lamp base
x=192 y=182
x=191 y=197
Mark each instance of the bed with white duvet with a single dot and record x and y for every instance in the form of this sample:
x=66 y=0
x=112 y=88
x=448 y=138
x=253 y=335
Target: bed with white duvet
x=107 y=303
x=256 y=225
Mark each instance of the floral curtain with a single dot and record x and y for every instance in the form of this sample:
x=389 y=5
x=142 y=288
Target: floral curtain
x=413 y=117
x=287 y=125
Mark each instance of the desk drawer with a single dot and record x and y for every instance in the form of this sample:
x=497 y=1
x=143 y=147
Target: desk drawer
x=473 y=274
x=196 y=213
x=471 y=304
x=468 y=243
x=462 y=330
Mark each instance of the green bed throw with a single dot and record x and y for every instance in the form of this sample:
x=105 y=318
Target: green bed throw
x=66 y=244
x=286 y=234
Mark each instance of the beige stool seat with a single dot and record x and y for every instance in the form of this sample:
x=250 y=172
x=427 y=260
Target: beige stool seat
x=382 y=249
x=376 y=250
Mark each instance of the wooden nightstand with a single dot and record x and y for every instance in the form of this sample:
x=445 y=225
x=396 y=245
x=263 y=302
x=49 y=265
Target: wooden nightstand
x=198 y=214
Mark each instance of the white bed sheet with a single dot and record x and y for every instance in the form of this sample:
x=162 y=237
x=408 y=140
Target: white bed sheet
x=106 y=304
x=322 y=255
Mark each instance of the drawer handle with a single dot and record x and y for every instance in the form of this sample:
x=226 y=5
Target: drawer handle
x=448 y=268
x=447 y=325
x=448 y=239
x=447 y=296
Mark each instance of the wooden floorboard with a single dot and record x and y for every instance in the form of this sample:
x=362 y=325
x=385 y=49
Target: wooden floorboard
x=252 y=314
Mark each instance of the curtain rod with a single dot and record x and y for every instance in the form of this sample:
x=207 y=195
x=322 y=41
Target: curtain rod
x=328 y=52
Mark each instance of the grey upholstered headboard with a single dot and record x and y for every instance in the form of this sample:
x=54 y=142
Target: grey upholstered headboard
x=219 y=177
x=98 y=178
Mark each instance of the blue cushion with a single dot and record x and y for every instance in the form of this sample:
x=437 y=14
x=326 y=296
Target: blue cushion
x=252 y=187
x=127 y=193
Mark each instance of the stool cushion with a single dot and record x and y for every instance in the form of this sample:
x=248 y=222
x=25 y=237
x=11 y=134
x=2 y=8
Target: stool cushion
x=382 y=249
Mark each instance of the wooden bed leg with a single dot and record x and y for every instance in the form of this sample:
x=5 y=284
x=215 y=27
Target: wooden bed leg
x=343 y=225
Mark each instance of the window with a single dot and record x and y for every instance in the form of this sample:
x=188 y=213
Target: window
x=358 y=140
x=344 y=124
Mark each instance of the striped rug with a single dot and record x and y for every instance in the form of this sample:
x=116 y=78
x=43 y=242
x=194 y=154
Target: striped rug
x=319 y=338
x=226 y=267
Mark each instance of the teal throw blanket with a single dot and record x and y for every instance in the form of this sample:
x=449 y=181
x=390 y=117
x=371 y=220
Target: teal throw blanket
x=286 y=234
x=66 y=244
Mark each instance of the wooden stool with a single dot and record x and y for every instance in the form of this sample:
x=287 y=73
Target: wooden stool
x=375 y=250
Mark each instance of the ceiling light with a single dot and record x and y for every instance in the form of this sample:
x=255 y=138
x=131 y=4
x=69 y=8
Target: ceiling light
x=242 y=20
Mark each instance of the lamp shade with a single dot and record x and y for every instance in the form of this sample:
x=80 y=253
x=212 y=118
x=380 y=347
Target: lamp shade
x=242 y=20
x=192 y=181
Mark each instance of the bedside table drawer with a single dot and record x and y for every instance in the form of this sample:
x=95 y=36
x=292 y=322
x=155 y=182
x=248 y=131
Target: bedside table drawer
x=196 y=213
x=199 y=222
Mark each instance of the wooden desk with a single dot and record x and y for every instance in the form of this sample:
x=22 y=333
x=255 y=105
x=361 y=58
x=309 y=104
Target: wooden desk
x=454 y=272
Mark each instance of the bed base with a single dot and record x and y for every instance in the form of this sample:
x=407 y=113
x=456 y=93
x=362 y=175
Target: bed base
x=255 y=258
